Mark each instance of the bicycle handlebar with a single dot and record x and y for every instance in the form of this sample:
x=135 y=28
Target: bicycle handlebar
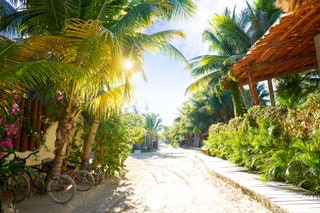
x=24 y=160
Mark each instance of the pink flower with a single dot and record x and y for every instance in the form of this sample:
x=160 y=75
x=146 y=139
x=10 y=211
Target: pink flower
x=60 y=97
x=10 y=129
x=15 y=109
x=6 y=144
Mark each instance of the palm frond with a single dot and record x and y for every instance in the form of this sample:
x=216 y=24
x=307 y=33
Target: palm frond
x=94 y=47
x=174 y=53
x=39 y=14
x=182 y=9
x=109 y=101
x=211 y=78
x=232 y=31
x=38 y=74
x=137 y=17
x=207 y=63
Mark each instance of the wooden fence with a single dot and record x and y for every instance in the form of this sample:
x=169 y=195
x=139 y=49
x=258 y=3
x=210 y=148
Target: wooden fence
x=33 y=127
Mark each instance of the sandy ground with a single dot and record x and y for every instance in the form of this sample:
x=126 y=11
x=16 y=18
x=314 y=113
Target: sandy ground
x=168 y=181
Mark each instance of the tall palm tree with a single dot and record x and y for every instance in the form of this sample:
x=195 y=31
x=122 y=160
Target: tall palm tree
x=262 y=14
x=98 y=51
x=228 y=42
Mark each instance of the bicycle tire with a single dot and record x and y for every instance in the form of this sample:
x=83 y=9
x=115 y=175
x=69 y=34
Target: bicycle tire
x=98 y=175
x=19 y=186
x=84 y=180
x=61 y=188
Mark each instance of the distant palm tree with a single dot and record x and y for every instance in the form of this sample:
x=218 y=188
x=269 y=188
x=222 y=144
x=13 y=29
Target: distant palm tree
x=228 y=41
x=153 y=124
x=201 y=110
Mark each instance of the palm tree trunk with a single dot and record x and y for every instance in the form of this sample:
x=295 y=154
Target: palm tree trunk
x=196 y=141
x=244 y=97
x=88 y=143
x=64 y=134
x=271 y=93
x=235 y=94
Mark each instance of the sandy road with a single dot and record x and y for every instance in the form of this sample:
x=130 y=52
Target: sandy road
x=168 y=181
x=175 y=181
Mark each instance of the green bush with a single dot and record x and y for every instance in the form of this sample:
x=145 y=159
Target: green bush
x=281 y=144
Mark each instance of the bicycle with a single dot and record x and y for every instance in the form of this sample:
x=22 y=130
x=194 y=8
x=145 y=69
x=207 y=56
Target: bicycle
x=83 y=179
x=60 y=188
x=97 y=171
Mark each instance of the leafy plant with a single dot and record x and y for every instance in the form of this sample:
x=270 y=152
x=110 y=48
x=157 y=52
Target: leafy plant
x=307 y=157
x=112 y=147
x=275 y=167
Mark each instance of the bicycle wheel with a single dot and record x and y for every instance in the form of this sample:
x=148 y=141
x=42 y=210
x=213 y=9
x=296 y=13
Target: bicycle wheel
x=61 y=188
x=19 y=186
x=84 y=180
x=98 y=175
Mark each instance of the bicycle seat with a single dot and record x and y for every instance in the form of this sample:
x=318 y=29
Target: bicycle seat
x=48 y=165
x=71 y=167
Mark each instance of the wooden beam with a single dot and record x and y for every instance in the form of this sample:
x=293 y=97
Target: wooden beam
x=317 y=46
x=243 y=82
x=253 y=89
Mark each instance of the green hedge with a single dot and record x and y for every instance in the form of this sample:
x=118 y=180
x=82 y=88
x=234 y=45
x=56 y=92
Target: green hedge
x=280 y=143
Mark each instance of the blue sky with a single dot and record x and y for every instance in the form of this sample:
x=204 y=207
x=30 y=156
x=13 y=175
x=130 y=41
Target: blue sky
x=164 y=92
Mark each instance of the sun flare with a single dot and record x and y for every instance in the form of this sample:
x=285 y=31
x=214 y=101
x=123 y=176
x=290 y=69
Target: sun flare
x=128 y=64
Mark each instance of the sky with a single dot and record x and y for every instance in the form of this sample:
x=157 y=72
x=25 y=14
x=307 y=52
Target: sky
x=167 y=80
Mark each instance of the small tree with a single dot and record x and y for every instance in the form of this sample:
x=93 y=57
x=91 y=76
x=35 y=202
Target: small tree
x=152 y=126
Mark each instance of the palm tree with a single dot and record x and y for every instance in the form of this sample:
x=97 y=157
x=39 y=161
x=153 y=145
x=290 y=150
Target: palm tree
x=203 y=109
x=231 y=37
x=293 y=90
x=262 y=15
x=98 y=51
x=228 y=41
x=152 y=126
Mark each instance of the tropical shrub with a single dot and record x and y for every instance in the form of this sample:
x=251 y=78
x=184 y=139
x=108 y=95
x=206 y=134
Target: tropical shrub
x=282 y=144
x=111 y=146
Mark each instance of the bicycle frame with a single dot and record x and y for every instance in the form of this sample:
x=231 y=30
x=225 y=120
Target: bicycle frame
x=61 y=188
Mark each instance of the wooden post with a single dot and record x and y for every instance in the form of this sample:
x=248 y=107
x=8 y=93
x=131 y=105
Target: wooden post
x=317 y=47
x=253 y=89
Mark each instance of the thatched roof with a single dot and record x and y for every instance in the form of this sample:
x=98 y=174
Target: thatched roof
x=288 y=47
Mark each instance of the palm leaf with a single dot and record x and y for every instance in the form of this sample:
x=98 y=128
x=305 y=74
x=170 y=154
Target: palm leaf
x=109 y=101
